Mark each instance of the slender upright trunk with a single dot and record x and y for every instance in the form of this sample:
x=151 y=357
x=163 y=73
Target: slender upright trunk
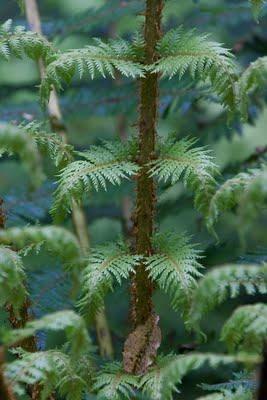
x=141 y=345
x=78 y=215
x=6 y=392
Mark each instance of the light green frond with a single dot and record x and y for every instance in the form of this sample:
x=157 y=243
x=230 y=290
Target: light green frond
x=174 y=268
x=246 y=330
x=214 y=396
x=54 y=370
x=240 y=394
x=112 y=383
x=105 y=266
x=18 y=42
x=254 y=78
x=109 y=163
x=72 y=323
x=194 y=165
x=226 y=281
x=12 y=277
x=189 y=51
x=230 y=194
x=51 y=144
x=257 y=6
x=15 y=140
x=57 y=240
x=98 y=59
x=162 y=379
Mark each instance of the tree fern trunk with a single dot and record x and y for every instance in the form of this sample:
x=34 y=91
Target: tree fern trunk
x=6 y=392
x=138 y=353
x=78 y=215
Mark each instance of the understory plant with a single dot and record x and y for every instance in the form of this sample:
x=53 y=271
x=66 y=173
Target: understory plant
x=148 y=258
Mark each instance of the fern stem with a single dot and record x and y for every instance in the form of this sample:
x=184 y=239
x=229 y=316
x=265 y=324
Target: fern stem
x=142 y=286
x=78 y=215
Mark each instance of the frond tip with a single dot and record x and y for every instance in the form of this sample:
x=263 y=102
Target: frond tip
x=108 y=163
x=194 y=165
x=204 y=59
x=105 y=266
x=174 y=268
x=246 y=330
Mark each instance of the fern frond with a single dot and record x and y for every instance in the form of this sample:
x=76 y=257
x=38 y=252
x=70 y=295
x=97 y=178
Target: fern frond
x=57 y=240
x=105 y=266
x=12 y=277
x=162 y=379
x=253 y=78
x=194 y=165
x=112 y=383
x=100 y=58
x=223 y=282
x=229 y=194
x=18 y=42
x=15 y=140
x=188 y=51
x=69 y=321
x=246 y=330
x=54 y=370
x=174 y=268
x=240 y=394
x=108 y=163
x=257 y=6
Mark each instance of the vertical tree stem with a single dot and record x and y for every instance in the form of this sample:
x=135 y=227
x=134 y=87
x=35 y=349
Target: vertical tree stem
x=78 y=215
x=6 y=392
x=142 y=344
x=145 y=202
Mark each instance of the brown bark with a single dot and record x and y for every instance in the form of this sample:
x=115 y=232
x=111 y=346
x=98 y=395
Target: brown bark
x=142 y=287
x=78 y=215
x=6 y=392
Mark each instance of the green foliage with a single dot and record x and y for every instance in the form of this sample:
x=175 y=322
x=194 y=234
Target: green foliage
x=105 y=266
x=237 y=191
x=110 y=163
x=252 y=79
x=54 y=370
x=240 y=394
x=59 y=241
x=194 y=165
x=189 y=51
x=12 y=277
x=99 y=58
x=69 y=321
x=223 y=282
x=112 y=383
x=257 y=7
x=246 y=330
x=174 y=268
x=18 y=42
x=15 y=140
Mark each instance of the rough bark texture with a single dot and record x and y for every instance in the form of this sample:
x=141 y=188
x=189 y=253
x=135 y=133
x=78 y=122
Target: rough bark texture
x=78 y=215
x=142 y=287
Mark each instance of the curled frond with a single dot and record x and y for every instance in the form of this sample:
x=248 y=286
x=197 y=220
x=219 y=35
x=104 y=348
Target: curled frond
x=162 y=379
x=223 y=282
x=254 y=78
x=15 y=140
x=189 y=51
x=246 y=330
x=110 y=163
x=57 y=240
x=12 y=277
x=231 y=193
x=18 y=42
x=105 y=266
x=194 y=165
x=72 y=323
x=174 y=268
x=112 y=383
x=96 y=59
x=54 y=370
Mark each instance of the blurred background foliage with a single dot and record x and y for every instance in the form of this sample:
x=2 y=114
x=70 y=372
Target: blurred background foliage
x=104 y=109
